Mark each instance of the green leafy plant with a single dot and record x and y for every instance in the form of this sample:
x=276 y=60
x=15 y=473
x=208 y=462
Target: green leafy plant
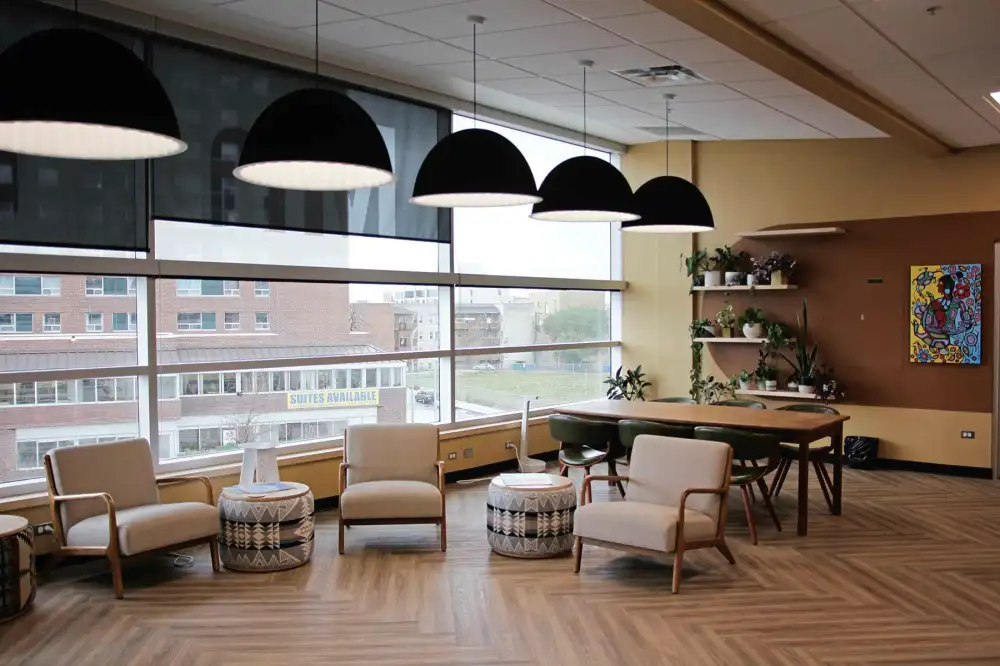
x=778 y=261
x=827 y=386
x=708 y=391
x=726 y=317
x=628 y=386
x=804 y=365
x=724 y=259
x=696 y=262
x=745 y=376
x=751 y=316
x=705 y=391
x=766 y=373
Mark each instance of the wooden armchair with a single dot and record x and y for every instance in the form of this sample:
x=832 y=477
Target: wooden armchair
x=105 y=502
x=674 y=502
x=392 y=474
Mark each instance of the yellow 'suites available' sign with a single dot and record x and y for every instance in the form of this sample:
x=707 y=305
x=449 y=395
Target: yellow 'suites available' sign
x=334 y=398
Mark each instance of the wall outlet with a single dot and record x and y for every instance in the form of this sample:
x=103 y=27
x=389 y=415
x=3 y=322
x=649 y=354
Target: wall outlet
x=467 y=453
x=509 y=445
x=43 y=529
x=968 y=434
x=452 y=456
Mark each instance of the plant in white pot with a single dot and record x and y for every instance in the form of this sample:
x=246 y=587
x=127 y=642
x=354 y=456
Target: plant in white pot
x=696 y=264
x=767 y=375
x=804 y=365
x=726 y=319
x=752 y=323
x=732 y=264
x=746 y=380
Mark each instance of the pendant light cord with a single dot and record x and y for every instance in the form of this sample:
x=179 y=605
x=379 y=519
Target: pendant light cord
x=586 y=64
x=666 y=131
x=316 y=48
x=475 y=21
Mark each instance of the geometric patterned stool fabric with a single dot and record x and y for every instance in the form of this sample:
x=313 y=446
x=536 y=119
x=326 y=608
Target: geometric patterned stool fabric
x=17 y=566
x=266 y=533
x=531 y=522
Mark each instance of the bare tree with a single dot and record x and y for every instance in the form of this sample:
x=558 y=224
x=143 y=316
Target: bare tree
x=244 y=424
x=355 y=320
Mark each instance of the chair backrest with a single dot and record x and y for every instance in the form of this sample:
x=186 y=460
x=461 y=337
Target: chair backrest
x=392 y=452
x=629 y=429
x=806 y=407
x=678 y=399
x=574 y=431
x=749 y=404
x=663 y=468
x=746 y=445
x=122 y=469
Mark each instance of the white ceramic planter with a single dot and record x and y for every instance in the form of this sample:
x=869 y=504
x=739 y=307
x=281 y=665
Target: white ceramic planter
x=746 y=386
x=751 y=280
x=713 y=279
x=753 y=330
x=770 y=385
x=808 y=390
x=793 y=386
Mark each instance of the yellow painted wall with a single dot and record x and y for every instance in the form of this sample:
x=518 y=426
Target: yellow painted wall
x=756 y=184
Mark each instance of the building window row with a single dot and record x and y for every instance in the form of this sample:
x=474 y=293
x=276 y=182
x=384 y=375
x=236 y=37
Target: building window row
x=30 y=285
x=111 y=389
x=284 y=381
x=110 y=286
x=207 y=321
x=31 y=453
x=215 y=439
x=24 y=322
x=208 y=288
x=20 y=322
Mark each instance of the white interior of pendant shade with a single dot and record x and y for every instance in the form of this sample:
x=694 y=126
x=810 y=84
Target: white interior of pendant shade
x=668 y=229
x=85 y=141
x=584 y=216
x=474 y=199
x=313 y=176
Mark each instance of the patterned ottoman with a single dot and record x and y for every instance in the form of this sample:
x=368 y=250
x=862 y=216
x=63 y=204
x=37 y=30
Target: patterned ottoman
x=17 y=566
x=268 y=532
x=530 y=515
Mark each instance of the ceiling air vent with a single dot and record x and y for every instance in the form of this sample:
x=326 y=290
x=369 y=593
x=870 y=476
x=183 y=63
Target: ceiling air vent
x=660 y=76
x=677 y=132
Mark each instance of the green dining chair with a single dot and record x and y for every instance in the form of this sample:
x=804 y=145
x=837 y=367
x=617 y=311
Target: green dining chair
x=754 y=447
x=629 y=429
x=585 y=443
x=677 y=399
x=749 y=404
x=818 y=451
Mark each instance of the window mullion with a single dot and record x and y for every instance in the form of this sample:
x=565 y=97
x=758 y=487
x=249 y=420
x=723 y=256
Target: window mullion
x=148 y=398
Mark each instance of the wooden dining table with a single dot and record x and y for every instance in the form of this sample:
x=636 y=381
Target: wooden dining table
x=802 y=428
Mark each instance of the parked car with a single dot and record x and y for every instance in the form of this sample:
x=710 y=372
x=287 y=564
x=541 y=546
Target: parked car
x=424 y=397
x=483 y=367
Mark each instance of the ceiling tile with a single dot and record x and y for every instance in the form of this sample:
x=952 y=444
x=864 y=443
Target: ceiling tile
x=904 y=85
x=616 y=113
x=381 y=7
x=424 y=53
x=649 y=28
x=594 y=9
x=985 y=109
x=967 y=74
x=605 y=60
x=487 y=70
x=738 y=70
x=765 y=11
x=958 y=25
x=290 y=13
x=743 y=119
x=768 y=88
x=838 y=38
x=452 y=20
x=689 y=52
x=545 y=39
x=955 y=122
x=824 y=116
x=533 y=85
x=597 y=82
x=366 y=33
x=571 y=98
x=653 y=97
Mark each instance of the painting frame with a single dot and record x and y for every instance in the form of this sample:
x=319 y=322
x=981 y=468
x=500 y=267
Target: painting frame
x=946 y=314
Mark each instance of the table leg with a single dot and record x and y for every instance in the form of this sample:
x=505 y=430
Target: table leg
x=803 y=529
x=838 y=469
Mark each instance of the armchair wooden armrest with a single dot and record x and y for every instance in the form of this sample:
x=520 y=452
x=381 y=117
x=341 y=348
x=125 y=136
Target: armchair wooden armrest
x=343 y=477
x=55 y=500
x=586 y=494
x=701 y=491
x=440 y=468
x=177 y=480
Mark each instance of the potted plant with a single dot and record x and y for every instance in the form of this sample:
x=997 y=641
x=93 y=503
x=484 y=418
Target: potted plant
x=793 y=382
x=827 y=386
x=804 y=365
x=768 y=376
x=779 y=267
x=628 y=386
x=708 y=391
x=696 y=265
x=731 y=263
x=726 y=319
x=746 y=380
x=758 y=273
x=752 y=323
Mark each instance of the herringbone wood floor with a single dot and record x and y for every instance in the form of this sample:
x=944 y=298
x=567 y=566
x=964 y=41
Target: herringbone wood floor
x=910 y=574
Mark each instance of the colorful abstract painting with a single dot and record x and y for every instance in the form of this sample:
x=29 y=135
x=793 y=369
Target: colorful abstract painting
x=946 y=313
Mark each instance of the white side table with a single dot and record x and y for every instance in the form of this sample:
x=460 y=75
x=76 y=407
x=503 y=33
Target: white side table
x=260 y=463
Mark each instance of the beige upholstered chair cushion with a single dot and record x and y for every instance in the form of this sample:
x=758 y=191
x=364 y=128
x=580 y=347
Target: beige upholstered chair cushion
x=662 y=468
x=639 y=524
x=123 y=469
x=396 y=452
x=377 y=500
x=145 y=528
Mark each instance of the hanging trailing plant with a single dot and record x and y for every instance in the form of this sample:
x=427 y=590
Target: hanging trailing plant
x=697 y=329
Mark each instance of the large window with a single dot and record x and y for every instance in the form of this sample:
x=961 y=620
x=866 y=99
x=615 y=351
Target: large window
x=110 y=286
x=29 y=285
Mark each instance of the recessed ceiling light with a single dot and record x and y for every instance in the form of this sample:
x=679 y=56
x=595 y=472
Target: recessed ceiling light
x=996 y=96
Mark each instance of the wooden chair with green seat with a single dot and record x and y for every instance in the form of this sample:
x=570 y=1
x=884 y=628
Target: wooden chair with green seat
x=629 y=429
x=677 y=399
x=749 y=404
x=585 y=443
x=818 y=451
x=748 y=446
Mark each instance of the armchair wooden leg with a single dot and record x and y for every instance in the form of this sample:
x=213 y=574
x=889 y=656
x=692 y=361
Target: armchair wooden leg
x=213 y=547
x=767 y=503
x=116 y=573
x=723 y=548
x=824 y=482
x=577 y=554
x=563 y=470
x=750 y=521
x=444 y=535
x=678 y=565
x=612 y=468
x=340 y=532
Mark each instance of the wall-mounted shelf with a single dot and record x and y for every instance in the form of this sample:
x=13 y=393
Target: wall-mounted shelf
x=747 y=341
x=785 y=395
x=744 y=287
x=788 y=233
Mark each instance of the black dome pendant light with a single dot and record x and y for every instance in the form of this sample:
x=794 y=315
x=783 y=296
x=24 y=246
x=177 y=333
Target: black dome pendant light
x=76 y=94
x=585 y=188
x=315 y=139
x=474 y=167
x=669 y=204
